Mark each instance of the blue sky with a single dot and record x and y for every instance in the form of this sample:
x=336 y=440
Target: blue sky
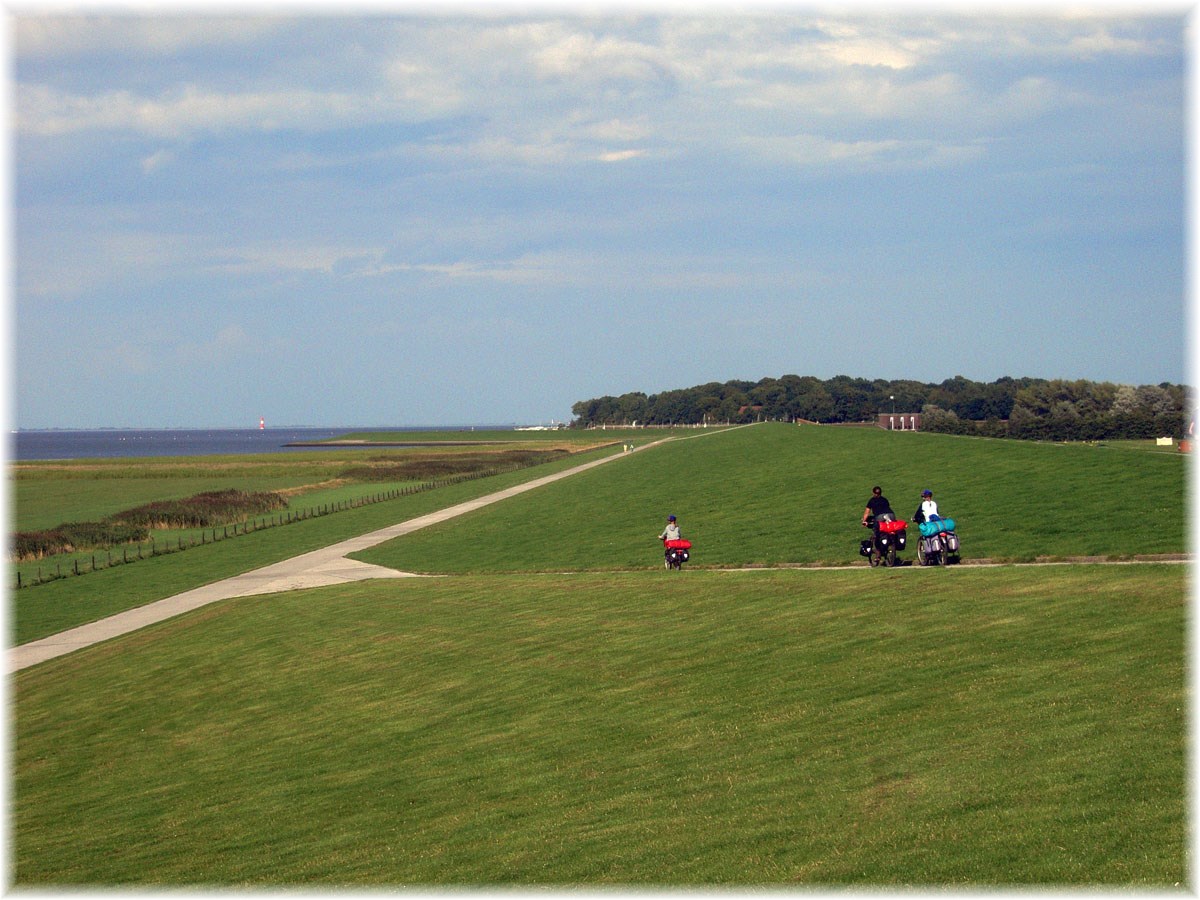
x=429 y=216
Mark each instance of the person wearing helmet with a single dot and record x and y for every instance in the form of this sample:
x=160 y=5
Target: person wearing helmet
x=877 y=507
x=928 y=510
x=671 y=532
x=877 y=510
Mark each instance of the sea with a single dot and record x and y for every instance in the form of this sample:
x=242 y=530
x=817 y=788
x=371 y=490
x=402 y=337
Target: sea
x=48 y=444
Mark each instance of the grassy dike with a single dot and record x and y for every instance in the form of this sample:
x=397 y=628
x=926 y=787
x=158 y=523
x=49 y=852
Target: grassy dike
x=1012 y=726
x=777 y=494
x=58 y=605
x=1007 y=727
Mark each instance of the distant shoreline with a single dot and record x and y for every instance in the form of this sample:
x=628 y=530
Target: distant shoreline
x=359 y=443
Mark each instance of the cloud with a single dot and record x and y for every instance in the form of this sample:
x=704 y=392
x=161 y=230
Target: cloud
x=39 y=35
x=818 y=151
x=423 y=88
x=182 y=112
x=619 y=129
x=157 y=160
x=564 y=90
x=288 y=257
x=861 y=95
x=582 y=56
x=613 y=156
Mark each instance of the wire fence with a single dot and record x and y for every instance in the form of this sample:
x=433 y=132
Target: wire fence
x=106 y=558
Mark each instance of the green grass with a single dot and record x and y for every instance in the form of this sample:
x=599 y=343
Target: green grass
x=57 y=605
x=562 y=437
x=778 y=494
x=764 y=495
x=1011 y=727
x=45 y=503
x=46 y=493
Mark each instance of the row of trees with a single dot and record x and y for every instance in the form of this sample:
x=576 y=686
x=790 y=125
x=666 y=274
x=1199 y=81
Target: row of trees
x=1030 y=408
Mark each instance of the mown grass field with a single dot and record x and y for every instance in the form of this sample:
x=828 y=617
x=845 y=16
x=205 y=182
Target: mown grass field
x=972 y=726
x=57 y=605
x=780 y=494
x=53 y=493
x=794 y=728
x=48 y=492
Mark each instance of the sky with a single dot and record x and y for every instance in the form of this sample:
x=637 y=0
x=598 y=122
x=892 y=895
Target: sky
x=437 y=215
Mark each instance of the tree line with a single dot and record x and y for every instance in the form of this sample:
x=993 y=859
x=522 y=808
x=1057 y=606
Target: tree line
x=1028 y=408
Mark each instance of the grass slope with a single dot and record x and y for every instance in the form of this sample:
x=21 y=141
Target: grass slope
x=966 y=727
x=773 y=494
x=58 y=605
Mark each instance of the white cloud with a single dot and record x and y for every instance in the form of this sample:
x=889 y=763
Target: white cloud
x=618 y=129
x=46 y=111
x=561 y=90
x=424 y=88
x=585 y=56
x=613 y=156
x=1033 y=96
x=157 y=160
x=292 y=256
x=814 y=150
x=41 y=35
x=846 y=44
x=862 y=95
x=525 y=270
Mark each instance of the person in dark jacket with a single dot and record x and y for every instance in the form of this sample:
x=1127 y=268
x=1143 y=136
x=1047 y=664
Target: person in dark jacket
x=877 y=510
x=877 y=506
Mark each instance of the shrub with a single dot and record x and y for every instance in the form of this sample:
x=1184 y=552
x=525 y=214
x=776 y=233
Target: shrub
x=201 y=510
x=73 y=536
x=424 y=468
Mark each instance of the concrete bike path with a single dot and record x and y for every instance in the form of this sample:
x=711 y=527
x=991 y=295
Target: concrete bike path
x=317 y=568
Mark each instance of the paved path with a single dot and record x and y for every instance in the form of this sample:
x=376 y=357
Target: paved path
x=319 y=568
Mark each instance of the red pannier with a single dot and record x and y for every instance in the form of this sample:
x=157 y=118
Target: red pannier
x=679 y=544
x=893 y=526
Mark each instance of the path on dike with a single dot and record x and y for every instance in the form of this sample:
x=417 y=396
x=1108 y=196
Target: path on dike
x=330 y=565
x=318 y=568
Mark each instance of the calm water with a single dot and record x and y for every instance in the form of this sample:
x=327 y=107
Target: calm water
x=24 y=445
